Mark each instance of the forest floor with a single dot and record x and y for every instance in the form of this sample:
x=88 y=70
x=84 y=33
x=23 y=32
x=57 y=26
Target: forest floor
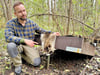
x=61 y=63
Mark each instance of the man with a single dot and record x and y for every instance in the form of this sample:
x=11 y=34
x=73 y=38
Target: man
x=19 y=34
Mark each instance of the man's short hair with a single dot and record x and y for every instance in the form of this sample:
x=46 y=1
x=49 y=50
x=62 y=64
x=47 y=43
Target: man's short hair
x=16 y=4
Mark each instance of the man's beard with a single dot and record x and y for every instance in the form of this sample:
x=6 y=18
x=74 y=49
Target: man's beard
x=23 y=19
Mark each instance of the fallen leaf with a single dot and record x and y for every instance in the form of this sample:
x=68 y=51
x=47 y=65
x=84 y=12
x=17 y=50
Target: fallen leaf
x=7 y=67
x=41 y=67
x=55 y=70
x=23 y=70
x=7 y=63
x=12 y=73
x=98 y=59
x=67 y=70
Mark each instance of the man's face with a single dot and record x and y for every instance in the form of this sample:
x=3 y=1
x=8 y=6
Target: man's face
x=20 y=12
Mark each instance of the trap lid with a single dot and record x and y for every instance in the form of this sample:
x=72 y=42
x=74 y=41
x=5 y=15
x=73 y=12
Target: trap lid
x=74 y=44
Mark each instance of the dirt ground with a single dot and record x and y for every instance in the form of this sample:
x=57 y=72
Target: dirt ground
x=61 y=63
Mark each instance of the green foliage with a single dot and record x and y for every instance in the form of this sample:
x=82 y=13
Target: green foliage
x=98 y=1
x=2 y=34
x=74 y=1
x=84 y=10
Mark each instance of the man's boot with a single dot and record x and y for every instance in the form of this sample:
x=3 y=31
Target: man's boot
x=18 y=70
x=15 y=57
x=17 y=63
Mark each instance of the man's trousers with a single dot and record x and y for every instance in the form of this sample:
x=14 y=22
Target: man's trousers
x=29 y=54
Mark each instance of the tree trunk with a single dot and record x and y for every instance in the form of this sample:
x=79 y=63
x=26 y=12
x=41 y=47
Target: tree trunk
x=73 y=24
x=81 y=18
x=69 y=15
x=53 y=3
x=7 y=9
x=49 y=12
x=52 y=10
x=66 y=18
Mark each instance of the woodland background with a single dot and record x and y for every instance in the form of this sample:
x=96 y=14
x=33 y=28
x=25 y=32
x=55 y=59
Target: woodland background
x=65 y=16
x=69 y=17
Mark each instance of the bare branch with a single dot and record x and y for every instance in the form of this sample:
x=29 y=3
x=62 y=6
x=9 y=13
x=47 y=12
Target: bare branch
x=65 y=17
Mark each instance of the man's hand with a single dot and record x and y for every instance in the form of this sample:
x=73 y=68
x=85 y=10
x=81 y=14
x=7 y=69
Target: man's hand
x=56 y=33
x=30 y=42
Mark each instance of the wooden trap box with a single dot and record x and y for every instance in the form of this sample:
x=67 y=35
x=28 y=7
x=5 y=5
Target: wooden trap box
x=74 y=44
